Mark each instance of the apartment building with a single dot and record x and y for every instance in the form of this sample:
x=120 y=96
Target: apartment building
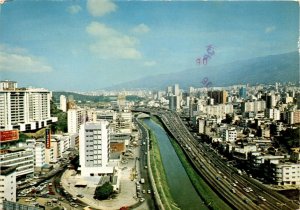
x=219 y=96
x=19 y=157
x=63 y=103
x=282 y=173
x=24 y=109
x=76 y=117
x=253 y=106
x=7 y=184
x=94 y=149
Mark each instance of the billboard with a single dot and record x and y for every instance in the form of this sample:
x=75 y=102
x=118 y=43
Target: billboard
x=10 y=135
x=48 y=138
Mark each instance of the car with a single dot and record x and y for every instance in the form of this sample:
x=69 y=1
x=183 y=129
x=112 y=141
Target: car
x=149 y=191
x=234 y=184
x=246 y=189
x=262 y=198
x=146 y=167
x=144 y=191
x=142 y=199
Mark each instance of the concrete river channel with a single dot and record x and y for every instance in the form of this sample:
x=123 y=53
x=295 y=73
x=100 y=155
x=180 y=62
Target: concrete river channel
x=181 y=188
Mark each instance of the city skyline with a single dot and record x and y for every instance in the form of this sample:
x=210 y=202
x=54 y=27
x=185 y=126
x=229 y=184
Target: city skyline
x=88 y=45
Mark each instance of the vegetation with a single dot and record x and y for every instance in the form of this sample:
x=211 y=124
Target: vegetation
x=85 y=98
x=210 y=198
x=290 y=138
x=103 y=192
x=159 y=175
x=62 y=124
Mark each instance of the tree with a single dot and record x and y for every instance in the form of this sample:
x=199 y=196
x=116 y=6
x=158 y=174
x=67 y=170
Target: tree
x=62 y=123
x=104 y=191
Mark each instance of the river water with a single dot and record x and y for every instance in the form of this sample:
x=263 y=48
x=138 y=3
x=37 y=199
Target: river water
x=181 y=188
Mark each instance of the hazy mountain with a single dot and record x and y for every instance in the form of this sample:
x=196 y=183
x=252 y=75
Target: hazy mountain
x=268 y=69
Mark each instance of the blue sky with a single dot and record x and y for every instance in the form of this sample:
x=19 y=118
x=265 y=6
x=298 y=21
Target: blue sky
x=89 y=45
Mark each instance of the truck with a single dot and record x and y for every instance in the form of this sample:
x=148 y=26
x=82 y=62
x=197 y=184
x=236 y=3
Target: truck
x=142 y=180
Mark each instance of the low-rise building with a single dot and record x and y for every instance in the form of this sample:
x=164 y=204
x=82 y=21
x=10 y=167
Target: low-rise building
x=282 y=173
x=19 y=157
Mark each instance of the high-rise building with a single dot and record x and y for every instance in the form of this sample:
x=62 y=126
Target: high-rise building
x=94 y=149
x=219 y=96
x=76 y=117
x=7 y=184
x=243 y=92
x=63 y=103
x=270 y=100
x=174 y=102
x=176 y=90
x=24 y=109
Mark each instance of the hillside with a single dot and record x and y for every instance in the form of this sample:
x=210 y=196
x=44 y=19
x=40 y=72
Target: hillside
x=267 y=70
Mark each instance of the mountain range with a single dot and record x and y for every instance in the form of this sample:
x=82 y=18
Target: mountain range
x=260 y=70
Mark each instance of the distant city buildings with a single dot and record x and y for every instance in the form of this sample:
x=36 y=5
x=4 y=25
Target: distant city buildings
x=219 y=96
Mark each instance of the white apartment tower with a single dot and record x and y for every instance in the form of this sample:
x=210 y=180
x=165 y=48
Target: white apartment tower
x=40 y=158
x=76 y=117
x=63 y=103
x=7 y=184
x=94 y=149
x=24 y=109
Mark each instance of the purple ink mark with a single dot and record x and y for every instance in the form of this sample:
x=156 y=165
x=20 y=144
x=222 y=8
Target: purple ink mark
x=198 y=60
x=205 y=82
x=209 y=48
x=210 y=51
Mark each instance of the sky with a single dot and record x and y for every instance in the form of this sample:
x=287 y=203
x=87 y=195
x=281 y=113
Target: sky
x=77 y=45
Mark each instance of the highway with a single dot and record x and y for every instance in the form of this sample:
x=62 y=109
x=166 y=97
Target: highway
x=239 y=191
x=143 y=161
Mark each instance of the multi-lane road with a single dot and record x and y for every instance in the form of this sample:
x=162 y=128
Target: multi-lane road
x=146 y=189
x=239 y=191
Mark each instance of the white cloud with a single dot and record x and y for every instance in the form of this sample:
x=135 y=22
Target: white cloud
x=20 y=61
x=149 y=63
x=111 y=43
x=100 y=7
x=141 y=29
x=270 y=29
x=74 y=9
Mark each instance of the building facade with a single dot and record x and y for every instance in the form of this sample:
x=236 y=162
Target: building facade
x=7 y=184
x=63 y=103
x=24 y=109
x=76 y=117
x=21 y=158
x=94 y=149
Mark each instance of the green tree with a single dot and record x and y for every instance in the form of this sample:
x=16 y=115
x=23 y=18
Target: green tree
x=62 y=123
x=289 y=138
x=104 y=191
